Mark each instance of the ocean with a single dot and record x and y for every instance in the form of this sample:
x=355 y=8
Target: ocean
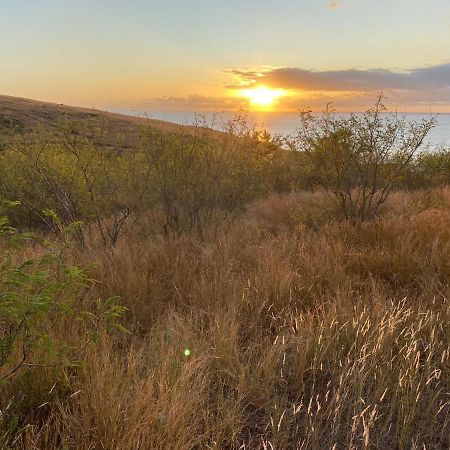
x=286 y=123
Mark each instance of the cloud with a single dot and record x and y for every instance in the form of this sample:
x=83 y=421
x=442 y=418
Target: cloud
x=334 y=5
x=351 y=80
x=417 y=89
x=193 y=102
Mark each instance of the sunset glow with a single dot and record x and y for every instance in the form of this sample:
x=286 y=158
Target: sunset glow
x=276 y=58
x=262 y=97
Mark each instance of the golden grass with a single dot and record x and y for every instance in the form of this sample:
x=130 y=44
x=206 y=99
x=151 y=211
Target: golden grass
x=304 y=332
x=31 y=118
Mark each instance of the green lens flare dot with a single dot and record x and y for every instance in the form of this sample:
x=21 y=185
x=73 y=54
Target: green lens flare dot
x=187 y=352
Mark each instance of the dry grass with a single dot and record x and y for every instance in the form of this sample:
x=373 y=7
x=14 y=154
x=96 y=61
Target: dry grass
x=305 y=333
x=31 y=118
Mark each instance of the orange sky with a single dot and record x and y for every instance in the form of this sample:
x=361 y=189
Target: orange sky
x=200 y=55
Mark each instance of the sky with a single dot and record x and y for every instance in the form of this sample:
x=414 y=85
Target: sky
x=215 y=55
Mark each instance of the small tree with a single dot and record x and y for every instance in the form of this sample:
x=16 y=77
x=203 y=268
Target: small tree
x=108 y=177
x=357 y=159
x=80 y=175
x=205 y=171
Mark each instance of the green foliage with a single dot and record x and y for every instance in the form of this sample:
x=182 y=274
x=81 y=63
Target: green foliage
x=200 y=174
x=294 y=326
x=35 y=294
x=191 y=177
x=358 y=160
x=77 y=175
x=430 y=169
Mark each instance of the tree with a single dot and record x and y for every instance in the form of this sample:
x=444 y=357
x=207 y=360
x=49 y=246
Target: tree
x=77 y=173
x=205 y=170
x=357 y=159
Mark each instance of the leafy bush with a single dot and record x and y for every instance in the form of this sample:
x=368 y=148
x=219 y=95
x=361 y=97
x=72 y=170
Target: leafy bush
x=192 y=175
x=76 y=174
x=199 y=173
x=35 y=293
x=358 y=159
x=430 y=169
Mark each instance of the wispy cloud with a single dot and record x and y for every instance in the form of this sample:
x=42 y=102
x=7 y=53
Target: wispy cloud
x=334 y=5
x=193 y=102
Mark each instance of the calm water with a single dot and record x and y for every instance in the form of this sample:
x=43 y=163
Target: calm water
x=285 y=123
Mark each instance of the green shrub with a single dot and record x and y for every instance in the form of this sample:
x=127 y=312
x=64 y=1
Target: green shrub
x=430 y=169
x=37 y=292
x=359 y=159
x=199 y=174
x=76 y=174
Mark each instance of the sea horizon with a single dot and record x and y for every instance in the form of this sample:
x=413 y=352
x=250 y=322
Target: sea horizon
x=282 y=123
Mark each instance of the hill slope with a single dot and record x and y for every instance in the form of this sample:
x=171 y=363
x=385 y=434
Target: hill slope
x=26 y=117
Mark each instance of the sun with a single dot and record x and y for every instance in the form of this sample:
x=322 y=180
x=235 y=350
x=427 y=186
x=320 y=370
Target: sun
x=262 y=97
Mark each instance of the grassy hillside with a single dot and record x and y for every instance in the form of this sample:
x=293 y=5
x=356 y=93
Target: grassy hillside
x=303 y=332
x=27 y=117
x=245 y=297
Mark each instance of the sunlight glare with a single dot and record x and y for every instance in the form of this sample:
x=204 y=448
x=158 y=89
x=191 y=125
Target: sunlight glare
x=262 y=96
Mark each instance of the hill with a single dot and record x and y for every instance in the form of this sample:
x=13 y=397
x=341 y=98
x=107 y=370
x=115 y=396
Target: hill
x=28 y=117
x=234 y=307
